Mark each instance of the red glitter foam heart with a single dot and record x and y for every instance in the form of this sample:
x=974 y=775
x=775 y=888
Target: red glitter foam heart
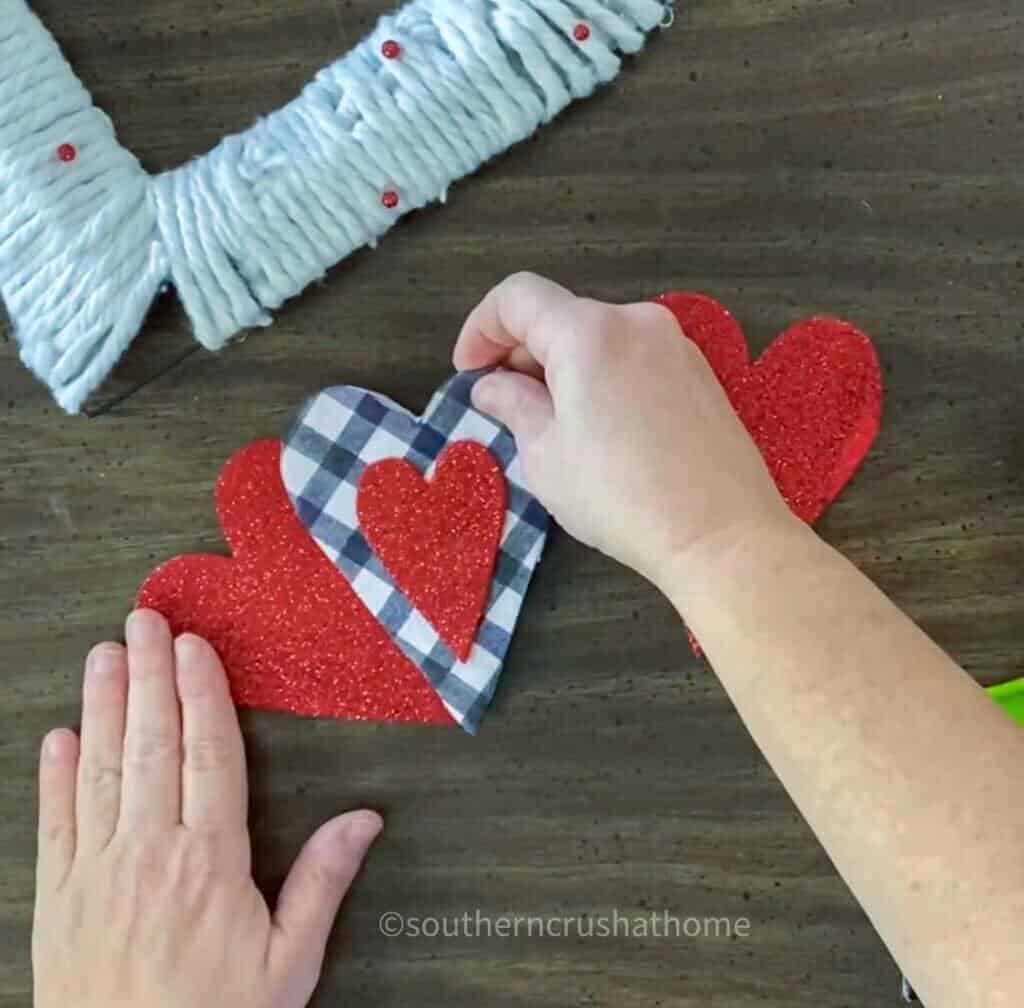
x=291 y=632
x=438 y=540
x=812 y=401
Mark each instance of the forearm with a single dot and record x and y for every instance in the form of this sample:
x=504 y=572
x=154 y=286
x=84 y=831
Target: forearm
x=906 y=771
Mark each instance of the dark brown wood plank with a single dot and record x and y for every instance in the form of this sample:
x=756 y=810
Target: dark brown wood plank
x=790 y=158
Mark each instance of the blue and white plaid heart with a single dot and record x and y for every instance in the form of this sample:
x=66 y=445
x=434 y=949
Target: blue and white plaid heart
x=342 y=433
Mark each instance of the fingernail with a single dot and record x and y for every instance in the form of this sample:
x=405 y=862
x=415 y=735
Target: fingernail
x=188 y=647
x=361 y=829
x=53 y=745
x=483 y=394
x=143 y=625
x=103 y=659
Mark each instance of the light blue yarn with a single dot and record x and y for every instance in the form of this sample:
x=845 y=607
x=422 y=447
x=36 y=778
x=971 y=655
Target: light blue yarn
x=86 y=246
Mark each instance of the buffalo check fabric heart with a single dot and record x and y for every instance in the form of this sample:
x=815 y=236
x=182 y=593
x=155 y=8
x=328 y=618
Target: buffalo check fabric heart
x=337 y=436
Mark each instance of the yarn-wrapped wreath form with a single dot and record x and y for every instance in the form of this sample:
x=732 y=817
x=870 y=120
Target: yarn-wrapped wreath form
x=88 y=238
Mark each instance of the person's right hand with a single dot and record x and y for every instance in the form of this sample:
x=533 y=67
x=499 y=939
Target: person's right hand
x=624 y=432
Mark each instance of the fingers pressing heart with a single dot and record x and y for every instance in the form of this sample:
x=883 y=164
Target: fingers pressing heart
x=160 y=747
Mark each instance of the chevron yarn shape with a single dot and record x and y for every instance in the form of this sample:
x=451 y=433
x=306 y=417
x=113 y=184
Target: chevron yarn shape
x=88 y=238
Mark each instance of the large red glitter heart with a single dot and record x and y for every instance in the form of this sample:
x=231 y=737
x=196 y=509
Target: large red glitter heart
x=438 y=540
x=812 y=401
x=292 y=633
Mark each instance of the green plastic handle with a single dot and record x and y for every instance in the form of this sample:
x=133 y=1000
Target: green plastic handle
x=1011 y=696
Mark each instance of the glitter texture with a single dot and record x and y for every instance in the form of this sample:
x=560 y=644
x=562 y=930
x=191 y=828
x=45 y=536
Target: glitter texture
x=812 y=401
x=292 y=633
x=438 y=540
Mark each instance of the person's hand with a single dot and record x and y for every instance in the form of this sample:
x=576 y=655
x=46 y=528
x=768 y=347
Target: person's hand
x=144 y=895
x=625 y=434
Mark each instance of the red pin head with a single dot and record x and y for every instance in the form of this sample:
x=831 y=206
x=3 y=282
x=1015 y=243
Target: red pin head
x=67 y=152
x=391 y=50
x=581 y=32
x=390 y=199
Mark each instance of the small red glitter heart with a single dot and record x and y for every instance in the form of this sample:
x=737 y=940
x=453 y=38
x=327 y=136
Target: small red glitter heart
x=812 y=401
x=292 y=634
x=439 y=540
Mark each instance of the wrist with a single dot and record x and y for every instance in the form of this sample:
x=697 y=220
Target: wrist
x=723 y=572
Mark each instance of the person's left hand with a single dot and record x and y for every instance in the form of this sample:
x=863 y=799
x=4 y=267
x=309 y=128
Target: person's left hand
x=144 y=892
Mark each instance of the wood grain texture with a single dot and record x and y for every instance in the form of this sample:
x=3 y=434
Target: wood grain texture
x=859 y=157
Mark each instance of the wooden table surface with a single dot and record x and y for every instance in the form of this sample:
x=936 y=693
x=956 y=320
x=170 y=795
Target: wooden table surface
x=790 y=157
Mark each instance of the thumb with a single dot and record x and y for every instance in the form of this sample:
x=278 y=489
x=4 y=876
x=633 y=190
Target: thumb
x=520 y=402
x=312 y=894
